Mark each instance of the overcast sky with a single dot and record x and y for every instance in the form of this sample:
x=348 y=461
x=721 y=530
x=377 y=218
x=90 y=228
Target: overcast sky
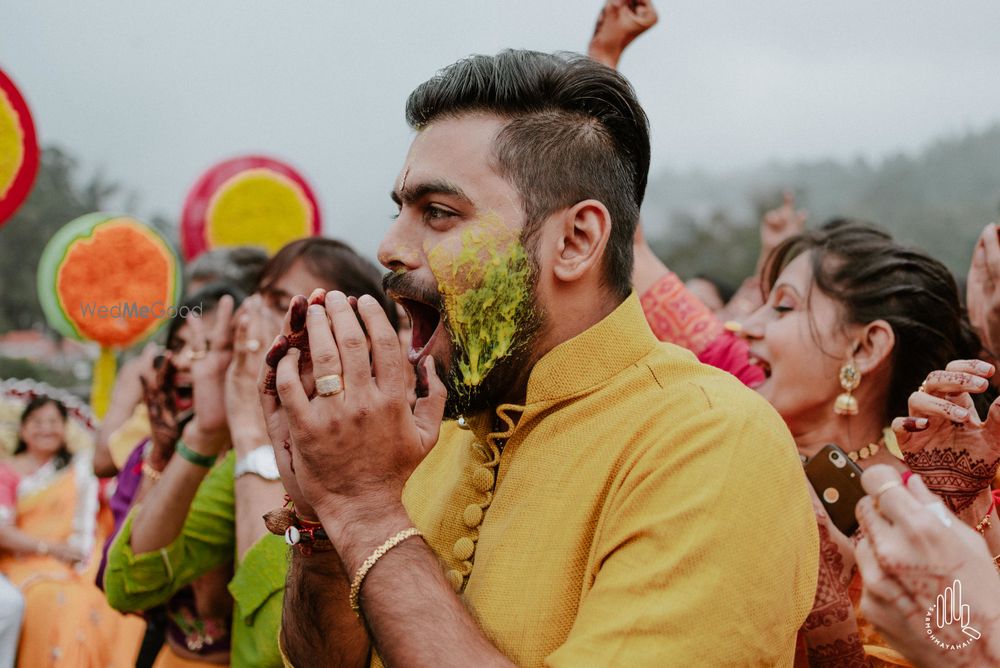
x=153 y=92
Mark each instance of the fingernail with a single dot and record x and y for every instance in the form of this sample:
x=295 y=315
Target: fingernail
x=298 y=307
x=316 y=309
x=368 y=300
x=960 y=413
x=915 y=424
x=982 y=383
x=318 y=296
x=337 y=297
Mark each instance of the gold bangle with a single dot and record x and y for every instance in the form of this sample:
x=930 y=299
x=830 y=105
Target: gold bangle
x=150 y=472
x=379 y=552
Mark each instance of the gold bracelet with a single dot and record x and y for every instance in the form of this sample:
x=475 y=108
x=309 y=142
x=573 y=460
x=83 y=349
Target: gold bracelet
x=379 y=552
x=150 y=472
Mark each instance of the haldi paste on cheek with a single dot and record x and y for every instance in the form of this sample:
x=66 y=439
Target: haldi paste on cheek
x=484 y=286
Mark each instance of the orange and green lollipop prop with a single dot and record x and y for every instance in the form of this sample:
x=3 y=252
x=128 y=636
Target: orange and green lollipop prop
x=110 y=279
x=252 y=200
x=18 y=149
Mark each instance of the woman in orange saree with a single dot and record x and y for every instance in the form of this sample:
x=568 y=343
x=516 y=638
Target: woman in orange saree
x=50 y=535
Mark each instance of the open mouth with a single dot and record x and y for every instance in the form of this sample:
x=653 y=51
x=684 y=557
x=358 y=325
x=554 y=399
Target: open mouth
x=761 y=364
x=183 y=397
x=426 y=322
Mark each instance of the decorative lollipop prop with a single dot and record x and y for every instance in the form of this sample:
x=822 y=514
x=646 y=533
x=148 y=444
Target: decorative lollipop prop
x=110 y=279
x=18 y=149
x=252 y=200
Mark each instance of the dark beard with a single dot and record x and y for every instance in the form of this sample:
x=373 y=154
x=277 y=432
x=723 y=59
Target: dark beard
x=505 y=382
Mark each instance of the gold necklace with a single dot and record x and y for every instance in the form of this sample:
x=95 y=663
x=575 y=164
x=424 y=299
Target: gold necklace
x=869 y=450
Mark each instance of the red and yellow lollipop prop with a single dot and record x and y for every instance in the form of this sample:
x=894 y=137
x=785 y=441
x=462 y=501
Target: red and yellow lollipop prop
x=252 y=200
x=18 y=149
x=109 y=279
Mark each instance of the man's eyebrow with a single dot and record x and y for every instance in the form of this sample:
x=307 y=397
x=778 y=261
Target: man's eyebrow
x=415 y=192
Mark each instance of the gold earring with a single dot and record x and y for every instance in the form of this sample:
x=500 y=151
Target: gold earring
x=850 y=378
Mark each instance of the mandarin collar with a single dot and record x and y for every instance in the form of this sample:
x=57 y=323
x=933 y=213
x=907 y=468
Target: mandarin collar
x=589 y=359
x=594 y=356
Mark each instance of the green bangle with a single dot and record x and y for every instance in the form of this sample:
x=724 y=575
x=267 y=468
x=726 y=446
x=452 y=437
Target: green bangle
x=195 y=458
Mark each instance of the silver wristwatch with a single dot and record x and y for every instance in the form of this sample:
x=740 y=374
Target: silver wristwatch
x=259 y=461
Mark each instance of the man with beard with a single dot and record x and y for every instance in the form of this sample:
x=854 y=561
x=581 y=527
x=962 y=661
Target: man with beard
x=602 y=499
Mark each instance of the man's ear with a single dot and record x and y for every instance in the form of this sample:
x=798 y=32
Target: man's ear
x=875 y=343
x=583 y=232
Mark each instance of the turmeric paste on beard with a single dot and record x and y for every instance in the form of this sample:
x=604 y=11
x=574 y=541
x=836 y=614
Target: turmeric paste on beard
x=486 y=293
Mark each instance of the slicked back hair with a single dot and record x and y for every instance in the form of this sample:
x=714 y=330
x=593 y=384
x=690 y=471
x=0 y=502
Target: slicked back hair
x=872 y=277
x=575 y=131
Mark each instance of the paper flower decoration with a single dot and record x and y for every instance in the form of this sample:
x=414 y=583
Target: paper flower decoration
x=252 y=200
x=110 y=279
x=18 y=149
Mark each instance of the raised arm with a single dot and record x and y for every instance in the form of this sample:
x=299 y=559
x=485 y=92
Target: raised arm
x=257 y=490
x=618 y=24
x=126 y=396
x=983 y=289
x=160 y=518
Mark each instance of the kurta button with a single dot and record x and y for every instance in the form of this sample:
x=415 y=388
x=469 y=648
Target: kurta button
x=482 y=480
x=473 y=515
x=455 y=579
x=464 y=548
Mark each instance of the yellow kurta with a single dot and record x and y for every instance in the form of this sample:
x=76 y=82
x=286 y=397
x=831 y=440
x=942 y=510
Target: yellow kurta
x=646 y=510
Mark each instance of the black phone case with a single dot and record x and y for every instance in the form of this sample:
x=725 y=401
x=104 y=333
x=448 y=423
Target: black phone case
x=839 y=488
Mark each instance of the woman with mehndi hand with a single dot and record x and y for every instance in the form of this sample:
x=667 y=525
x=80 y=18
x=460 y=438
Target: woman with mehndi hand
x=852 y=324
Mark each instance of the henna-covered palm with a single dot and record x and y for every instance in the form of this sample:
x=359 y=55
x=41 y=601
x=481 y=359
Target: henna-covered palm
x=159 y=397
x=293 y=332
x=293 y=335
x=908 y=558
x=944 y=440
x=831 y=628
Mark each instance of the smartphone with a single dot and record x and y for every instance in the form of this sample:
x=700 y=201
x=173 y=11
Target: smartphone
x=837 y=481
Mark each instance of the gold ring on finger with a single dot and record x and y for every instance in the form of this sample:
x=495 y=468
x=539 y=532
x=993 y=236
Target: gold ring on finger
x=886 y=486
x=328 y=386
